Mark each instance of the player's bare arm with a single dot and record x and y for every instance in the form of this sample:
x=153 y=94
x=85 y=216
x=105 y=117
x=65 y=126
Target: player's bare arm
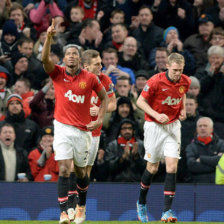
x=183 y=115
x=112 y=104
x=142 y=104
x=102 y=110
x=47 y=62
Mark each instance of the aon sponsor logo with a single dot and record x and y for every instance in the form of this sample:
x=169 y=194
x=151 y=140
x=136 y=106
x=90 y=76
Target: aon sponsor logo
x=171 y=101
x=75 y=98
x=94 y=99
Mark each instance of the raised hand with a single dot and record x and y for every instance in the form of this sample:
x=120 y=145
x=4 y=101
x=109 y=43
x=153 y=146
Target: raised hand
x=51 y=29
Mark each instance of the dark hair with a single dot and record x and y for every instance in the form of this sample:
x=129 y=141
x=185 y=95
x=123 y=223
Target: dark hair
x=144 y=7
x=26 y=82
x=115 y=11
x=23 y=40
x=110 y=50
x=163 y=49
x=191 y=96
x=7 y=125
x=124 y=78
x=88 y=23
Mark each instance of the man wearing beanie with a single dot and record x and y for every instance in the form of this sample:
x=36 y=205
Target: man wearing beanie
x=26 y=130
x=8 y=43
x=41 y=159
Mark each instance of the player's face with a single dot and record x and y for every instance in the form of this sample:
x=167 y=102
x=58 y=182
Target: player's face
x=204 y=128
x=127 y=131
x=174 y=71
x=191 y=107
x=95 y=66
x=72 y=58
x=7 y=135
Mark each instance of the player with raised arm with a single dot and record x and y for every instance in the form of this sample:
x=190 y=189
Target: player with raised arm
x=91 y=61
x=72 y=124
x=163 y=101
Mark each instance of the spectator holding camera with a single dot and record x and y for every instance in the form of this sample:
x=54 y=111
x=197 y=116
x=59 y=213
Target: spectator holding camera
x=41 y=159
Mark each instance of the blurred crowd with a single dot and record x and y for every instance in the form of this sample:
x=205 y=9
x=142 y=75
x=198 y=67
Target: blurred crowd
x=134 y=38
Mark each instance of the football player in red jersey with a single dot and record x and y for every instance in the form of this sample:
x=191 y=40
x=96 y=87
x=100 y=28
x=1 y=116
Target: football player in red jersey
x=73 y=123
x=163 y=101
x=91 y=61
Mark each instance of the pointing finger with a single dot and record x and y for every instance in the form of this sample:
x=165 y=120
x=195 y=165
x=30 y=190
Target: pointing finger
x=53 y=23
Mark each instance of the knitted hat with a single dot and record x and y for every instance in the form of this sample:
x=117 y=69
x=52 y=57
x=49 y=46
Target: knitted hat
x=141 y=73
x=9 y=27
x=166 y=31
x=204 y=18
x=49 y=130
x=194 y=82
x=16 y=56
x=15 y=97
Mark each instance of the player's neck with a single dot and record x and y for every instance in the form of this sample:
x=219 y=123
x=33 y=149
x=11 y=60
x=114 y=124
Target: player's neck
x=72 y=71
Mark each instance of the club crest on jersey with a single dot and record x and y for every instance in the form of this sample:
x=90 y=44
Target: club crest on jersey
x=146 y=88
x=82 y=85
x=182 y=89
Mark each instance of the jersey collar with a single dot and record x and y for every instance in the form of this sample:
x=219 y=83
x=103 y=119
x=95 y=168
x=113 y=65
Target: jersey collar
x=77 y=72
x=170 y=79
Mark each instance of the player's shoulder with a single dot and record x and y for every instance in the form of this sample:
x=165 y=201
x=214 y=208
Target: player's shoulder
x=104 y=77
x=157 y=77
x=185 y=79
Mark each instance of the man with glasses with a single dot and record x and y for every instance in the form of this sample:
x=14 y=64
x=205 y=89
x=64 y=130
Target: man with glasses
x=124 y=155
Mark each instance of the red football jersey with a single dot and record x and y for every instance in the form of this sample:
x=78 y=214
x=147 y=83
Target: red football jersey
x=165 y=96
x=73 y=95
x=108 y=85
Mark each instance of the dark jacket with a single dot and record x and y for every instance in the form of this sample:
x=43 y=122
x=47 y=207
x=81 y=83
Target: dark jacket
x=204 y=171
x=22 y=165
x=149 y=39
x=129 y=170
x=27 y=131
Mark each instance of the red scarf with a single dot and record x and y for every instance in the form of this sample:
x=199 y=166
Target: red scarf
x=205 y=140
x=89 y=12
x=122 y=141
x=116 y=45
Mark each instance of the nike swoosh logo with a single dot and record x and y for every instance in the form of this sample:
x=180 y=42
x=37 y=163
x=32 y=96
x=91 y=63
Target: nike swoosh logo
x=164 y=89
x=66 y=80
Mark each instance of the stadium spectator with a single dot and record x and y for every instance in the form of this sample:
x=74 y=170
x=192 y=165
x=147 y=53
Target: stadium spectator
x=217 y=37
x=188 y=127
x=124 y=110
x=212 y=81
x=8 y=43
x=148 y=34
x=163 y=101
x=41 y=159
x=172 y=42
x=38 y=46
x=4 y=11
x=90 y=36
x=25 y=46
x=194 y=87
x=19 y=16
x=116 y=16
x=198 y=43
x=161 y=60
x=41 y=15
x=4 y=91
x=131 y=57
x=176 y=13
x=22 y=87
x=140 y=81
x=112 y=68
x=119 y=32
x=124 y=155
x=219 y=175
x=27 y=131
x=56 y=54
x=72 y=124
x=13 y=159
x=42 y=105
x=204 y=152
